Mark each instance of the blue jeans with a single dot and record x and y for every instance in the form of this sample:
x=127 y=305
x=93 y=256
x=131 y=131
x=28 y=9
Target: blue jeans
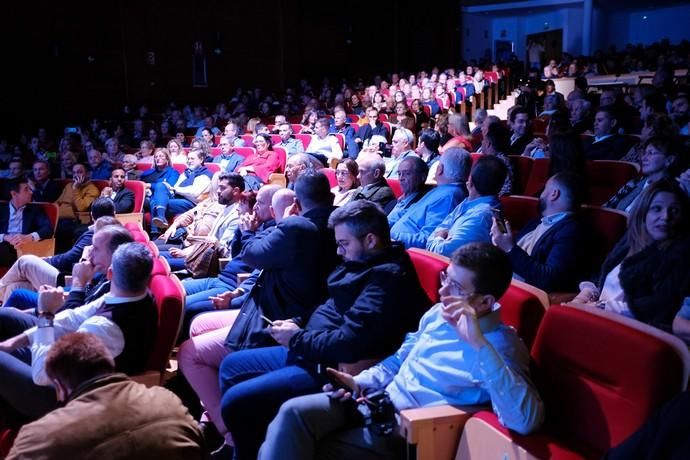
x=254 y=384
x=176 y=263
x=198 y=291
x=22 y=299
x=162 y=204
x=20 y=398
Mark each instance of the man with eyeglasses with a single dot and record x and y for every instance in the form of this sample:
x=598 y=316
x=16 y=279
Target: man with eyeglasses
x=374 y=299
x=402 y=148
x=462 y=354
x=228 y=159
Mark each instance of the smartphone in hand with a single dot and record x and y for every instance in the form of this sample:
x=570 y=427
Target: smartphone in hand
x=500 y=220
x=338 y=382
x=267 y=320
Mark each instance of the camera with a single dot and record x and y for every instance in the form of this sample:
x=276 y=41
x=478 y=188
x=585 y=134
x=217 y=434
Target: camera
x=380 y=416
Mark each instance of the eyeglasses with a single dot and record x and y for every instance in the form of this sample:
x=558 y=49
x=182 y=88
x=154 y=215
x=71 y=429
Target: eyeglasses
x=342 y=173
x=454 y=288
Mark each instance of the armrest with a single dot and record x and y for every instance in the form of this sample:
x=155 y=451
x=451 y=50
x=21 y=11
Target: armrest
x=277 y=179
x=41 y=248
x=222 y=262
x=242 y=277
x=556 y=298
x=435 y=430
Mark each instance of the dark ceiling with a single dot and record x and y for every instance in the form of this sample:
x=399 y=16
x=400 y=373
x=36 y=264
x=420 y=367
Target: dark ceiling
x=606 y=4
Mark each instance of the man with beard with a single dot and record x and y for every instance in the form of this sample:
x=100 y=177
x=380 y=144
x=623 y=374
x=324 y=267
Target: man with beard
x=121 y=196
x=548 y=252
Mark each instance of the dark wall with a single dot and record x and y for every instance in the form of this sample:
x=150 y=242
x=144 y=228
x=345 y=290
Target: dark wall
x=68 y=61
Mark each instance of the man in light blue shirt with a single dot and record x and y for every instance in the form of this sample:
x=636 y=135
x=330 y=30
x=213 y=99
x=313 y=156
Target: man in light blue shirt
x=412 y=175
x=471 y=220
x=414 y=227
x=462 y=354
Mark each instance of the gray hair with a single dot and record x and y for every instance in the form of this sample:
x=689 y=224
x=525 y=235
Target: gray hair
x=132 y=264
x=407 y=133
x=457 y=163
x=376 y=161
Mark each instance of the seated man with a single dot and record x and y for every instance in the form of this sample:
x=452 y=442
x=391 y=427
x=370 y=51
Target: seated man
x=121 y=196
x=415 y=226
x=375 y=298
x=341 y=126
x=228 y=159
x=402 y=148
x=44 y=189
x=19 y=223
x=549 y=251
x=125 y=320
x=461 y=354
x=606 y=144
x=76 y=198
x=289 y=143
x=520 y=125
x=412 y=177
x=374 y=187
x=29 y=271
x=100 y=167
x=471 y=220
x=83 y=372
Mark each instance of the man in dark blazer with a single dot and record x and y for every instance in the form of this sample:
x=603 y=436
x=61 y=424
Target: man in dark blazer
x=374 y=186
x=373 y=128
x=19 y=223
x=550 y=253
x=44 y=189
x=521 y=128
x=121 y=196
x=606 y=144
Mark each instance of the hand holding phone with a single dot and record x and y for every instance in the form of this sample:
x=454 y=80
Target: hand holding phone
x=267 y=320
x=500 y=220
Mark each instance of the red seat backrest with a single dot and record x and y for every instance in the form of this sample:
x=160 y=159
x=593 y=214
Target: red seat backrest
x=607 y=177
x=213 y=167
x=394 y=184
x=296 y=128
x=179 y=167
x=538 y=175
x=248 y=140
x=160 y=265
x=244 y=151
x=215 y=151
x=600 y=378
x=139 y=189
x=608 y=225
x=519 y=210
x=169 y=297
x=282 y=158
x=523 y=311
x=429 y=267
x=305 y=139
x=330 y=174
x=521 y=170
x=51 y=210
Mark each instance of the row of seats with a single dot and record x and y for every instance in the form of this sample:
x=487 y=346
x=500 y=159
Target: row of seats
x=600 y=376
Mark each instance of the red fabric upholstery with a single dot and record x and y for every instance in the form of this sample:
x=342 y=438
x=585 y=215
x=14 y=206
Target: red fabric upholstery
x=599 y=379
x=521 y=169
x=244 y=151
x=523 y=311
x=213 y=167
x=169 y=297
x=6 y=440
x=519 y=210
x=160 y=267
x=606 y=177
x=139 y=190
x=133 y=227
x=282 y=159
x=608 y=226
x=428 y=267
x=248 y=139
x=304 y=138
x=52 y=212
x=330 y=174
x=275 y=139
x=179 y=167
x=475 y=157
x=296 y=128
x=538 y=175
x=394 y=184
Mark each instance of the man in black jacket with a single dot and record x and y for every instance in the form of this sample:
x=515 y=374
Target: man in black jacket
x=121 y=196
x=374 y=299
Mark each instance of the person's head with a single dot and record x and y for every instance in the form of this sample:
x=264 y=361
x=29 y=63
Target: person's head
x=567 y=154
x=175 y=147
x=458 y=125
x=496 y=140
x=102 y=207
x=262 y=205
x=79 y=170
x=652 y=103
x=371 y=168
x=412 y=173
x=321 y=129
x=161 y=158
x=658 y=158
x=16 y=168
x=607 y=98
x=680 y=107
x=488 y=121
x=41 y=171
x=579 y=110
x=105 y=241
x=281 y=200
x=117 y=179
x=479 y=116
x=296 y=165
x=312 y=190
x=428 y=143
x=195 y=159
x=146 y=148
x=519 y=120
x=454 y=166
x=346 y=174
x=279 y=119
x=361 y=230
x=402 y=141
x=74 y=359
x=478 y=272
x=660 y=214
x=284 y=131
x=605 y=122
x=232 y=129
x=262 y=143
x=129 y=162
x=487 y=177
x=112 y=146
x=230 y=188
x=94 y=157
x=207 y=136
x=372 y=113
x=130 y=269
x=180 y=137
x=225 y=145
x=20 y=192
x=562 y=193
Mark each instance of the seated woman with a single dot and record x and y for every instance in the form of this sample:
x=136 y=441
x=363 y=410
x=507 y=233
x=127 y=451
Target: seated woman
x=647 y=274
x=162 y=171
x=177 y=153
x=323 y=143
x=657 y=162
x=200 y=144
x=346 y=174
x=145 y=153
x=459 y=129
x=421 y=117
x=264 y=162
x=655 y=124
x=427 y=149
x=309 y=122
x=191 y=187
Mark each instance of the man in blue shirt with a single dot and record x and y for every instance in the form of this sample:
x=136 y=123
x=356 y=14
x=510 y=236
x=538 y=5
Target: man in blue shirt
x=471 y=220
x=422 y=217
x=462 y=354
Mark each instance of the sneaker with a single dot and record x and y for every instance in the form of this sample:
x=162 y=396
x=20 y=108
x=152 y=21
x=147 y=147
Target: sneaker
x=160 y=222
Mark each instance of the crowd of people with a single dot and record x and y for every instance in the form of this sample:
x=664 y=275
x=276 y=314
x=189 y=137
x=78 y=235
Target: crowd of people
x=319 y=303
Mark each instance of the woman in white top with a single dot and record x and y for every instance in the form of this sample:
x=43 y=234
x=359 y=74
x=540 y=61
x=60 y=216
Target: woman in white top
x=346 y=174
x=177 y=153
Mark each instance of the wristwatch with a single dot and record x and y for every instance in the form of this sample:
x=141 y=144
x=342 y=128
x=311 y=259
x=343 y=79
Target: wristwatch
x=45 y=319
